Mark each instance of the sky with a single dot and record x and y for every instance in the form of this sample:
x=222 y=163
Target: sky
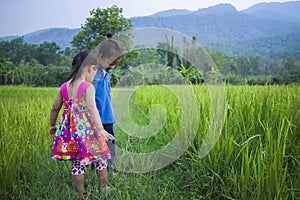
x=19 y=17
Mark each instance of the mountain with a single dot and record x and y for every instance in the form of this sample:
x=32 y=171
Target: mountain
x=271 y=27
x=223 y=26
x=278 y=46
x=61 y=36
x=171 y=12
x=219 y=24
x=218 y=9
x=289 y=11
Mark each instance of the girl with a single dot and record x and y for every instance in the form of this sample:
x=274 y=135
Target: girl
x=79 y=136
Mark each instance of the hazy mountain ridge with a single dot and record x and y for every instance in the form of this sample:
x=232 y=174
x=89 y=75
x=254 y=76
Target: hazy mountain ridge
x=223 y=27
x=289 y=11
x=61 y=36
x=221 y=24
x=171 y=12
x=217 y=9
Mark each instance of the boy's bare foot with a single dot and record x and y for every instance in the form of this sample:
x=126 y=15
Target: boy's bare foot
x=106 y=188
x=80 y=196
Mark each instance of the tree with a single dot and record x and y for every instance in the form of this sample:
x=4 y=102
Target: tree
x=8 y=71
x=145 y=56
x=3 y=70
x=243 y=65
x=47 y=53
x=98 y=24
x=222 y=61
x=15 y=49
x=4 y=48
x=288 y=64
x=255 y=65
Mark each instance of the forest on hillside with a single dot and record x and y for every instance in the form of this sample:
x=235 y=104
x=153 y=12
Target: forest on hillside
x=270 y=60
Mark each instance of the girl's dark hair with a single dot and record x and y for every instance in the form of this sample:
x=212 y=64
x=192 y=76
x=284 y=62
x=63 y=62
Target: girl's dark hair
x=82 y=59
x=110 y=48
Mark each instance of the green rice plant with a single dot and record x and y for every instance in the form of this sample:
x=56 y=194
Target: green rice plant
x=259 y=142
x=256 y=156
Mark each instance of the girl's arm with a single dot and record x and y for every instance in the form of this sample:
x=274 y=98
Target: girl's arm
x=54 y=113
x=91 y=105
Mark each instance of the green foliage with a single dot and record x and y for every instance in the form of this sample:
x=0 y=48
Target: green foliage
x=272 y=47
x=48 y=53
x=35 y=65
x=145 y=56
x=255 y=70
x=20 y=52
x=98 y=24
x=33 y=74
x=256 y=156
x=46 y=65
x=191 y=74
x=8 y=71
x=149 y=74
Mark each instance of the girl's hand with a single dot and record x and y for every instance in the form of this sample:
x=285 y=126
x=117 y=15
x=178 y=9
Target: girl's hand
x=52 y=131
x=106 y=135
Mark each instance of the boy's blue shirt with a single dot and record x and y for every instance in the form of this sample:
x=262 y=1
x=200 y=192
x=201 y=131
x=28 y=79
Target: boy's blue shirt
x=101 y=83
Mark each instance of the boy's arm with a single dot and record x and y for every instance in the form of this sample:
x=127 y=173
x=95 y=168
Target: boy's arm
x=91 y=105
x=96 y=79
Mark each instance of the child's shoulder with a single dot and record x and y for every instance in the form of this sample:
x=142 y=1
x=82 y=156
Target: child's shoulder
x=64 y=85
x=90 y=86
x=86 y=85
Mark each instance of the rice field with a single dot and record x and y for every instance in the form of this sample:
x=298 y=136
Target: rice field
x=256 y=156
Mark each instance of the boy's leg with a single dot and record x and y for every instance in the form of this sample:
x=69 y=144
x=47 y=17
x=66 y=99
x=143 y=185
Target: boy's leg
x=112 y=149
x=112 y=145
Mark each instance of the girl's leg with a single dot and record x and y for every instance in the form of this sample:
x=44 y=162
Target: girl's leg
x=102 y=177
x=79 y=184
x=101 y=172
x=78 y=177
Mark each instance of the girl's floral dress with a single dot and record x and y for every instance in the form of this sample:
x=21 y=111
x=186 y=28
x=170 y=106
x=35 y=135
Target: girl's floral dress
x=76 y=137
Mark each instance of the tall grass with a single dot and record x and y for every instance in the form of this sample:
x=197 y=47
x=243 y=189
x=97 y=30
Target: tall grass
x=256 y=157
